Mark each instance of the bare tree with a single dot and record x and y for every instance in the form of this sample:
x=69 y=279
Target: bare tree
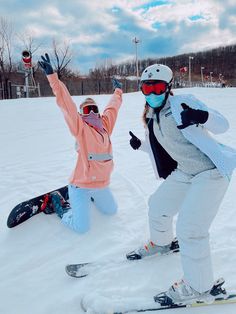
x=29 y=43
x=62 y=58
x=6 y=38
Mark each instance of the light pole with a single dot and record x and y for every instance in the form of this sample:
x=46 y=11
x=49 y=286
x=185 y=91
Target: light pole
x=202 y=68
x=211 y=77
x=136 y=41
x=220 y=77
x=189 y=70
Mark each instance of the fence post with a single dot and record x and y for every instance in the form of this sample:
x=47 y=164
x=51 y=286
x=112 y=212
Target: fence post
x=39 y=91
x=125 y=87
x=9 y=87
x=2 y=90
x=82 y=87
x=99 y=87
x=6 y=89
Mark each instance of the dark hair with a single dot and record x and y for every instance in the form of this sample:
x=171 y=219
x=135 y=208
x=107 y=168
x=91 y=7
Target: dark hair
x=145 y=110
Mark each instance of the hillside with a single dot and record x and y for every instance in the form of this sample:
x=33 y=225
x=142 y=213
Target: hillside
x=38 y=155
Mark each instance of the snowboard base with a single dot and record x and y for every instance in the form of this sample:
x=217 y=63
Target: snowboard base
x=32 y=207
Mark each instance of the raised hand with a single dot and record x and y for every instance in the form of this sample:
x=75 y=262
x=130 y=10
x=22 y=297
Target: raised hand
x=191 y=116
x=45 y=64
x=116 y=83
x=135 y=142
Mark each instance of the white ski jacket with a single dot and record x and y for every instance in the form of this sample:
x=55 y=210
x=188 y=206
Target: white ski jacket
x=224 y=157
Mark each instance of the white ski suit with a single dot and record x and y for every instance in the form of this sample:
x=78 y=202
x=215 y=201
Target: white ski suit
x=195 y=196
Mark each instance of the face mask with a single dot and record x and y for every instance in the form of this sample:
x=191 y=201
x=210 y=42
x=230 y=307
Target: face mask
x=155 y=101
x=94 y=120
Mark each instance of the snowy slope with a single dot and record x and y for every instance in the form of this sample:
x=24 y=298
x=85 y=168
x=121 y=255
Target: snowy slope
x=37 y=155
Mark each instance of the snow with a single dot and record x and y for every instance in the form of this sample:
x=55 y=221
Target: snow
x=38 y=155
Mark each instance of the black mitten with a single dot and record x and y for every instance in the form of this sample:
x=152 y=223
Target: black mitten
x=191 y=116
x=46 y=65
x=135 y=142
x=116 y=83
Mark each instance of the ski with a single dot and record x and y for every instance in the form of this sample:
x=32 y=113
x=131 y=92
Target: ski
x=84 y=269
x=230 y=299
x=123 y=305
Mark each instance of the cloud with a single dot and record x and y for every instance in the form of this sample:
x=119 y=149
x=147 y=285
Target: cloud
x=101 y=30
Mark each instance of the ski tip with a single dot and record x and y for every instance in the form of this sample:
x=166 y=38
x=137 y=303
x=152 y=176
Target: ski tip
x=69 y=271
x=96 y=303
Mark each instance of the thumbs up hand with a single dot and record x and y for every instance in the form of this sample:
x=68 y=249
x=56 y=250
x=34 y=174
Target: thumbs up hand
x=191 y=116
x=135 y=142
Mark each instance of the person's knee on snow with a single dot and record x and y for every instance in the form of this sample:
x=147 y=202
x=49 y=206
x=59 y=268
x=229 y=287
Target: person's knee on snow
x=82 y=228
x=76 y=223
x=109 y=209
x=104 y=201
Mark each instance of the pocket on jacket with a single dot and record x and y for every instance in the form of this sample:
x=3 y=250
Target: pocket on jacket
x=100 y=170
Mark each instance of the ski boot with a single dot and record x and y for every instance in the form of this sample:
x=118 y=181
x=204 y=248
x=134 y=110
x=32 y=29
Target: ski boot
x=181 y=294
x=152 y=249
x=55 y=203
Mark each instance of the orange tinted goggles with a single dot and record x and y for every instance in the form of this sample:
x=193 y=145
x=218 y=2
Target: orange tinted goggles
x=88 y=108
x=157 y=88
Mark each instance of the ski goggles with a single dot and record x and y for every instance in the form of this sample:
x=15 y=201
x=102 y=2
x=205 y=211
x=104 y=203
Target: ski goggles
x=153 y=87
x=86 y=109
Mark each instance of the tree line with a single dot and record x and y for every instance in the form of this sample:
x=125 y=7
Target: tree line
x=220 y=61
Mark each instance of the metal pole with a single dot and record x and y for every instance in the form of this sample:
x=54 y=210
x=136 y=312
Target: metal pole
x=136 y=53
x=202 y=68
x=27 y=84
x=211 y=77
x=136 y=42
x=39 y=92
x=189 y=70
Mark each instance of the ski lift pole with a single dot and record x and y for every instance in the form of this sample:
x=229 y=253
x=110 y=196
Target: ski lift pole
x=26 y=84
x=136 y=41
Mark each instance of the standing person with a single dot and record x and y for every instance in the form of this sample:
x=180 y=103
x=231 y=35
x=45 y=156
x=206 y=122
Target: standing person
x=92 y=131
x=196 y=171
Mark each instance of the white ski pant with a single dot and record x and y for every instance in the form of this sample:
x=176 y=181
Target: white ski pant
x=78 y=217
x=196 y=199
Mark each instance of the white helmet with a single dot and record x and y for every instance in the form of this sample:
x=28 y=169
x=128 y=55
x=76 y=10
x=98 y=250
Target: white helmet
x=158 y=72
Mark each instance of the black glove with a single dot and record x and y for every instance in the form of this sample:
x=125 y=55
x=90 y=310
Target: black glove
x=191 y=116
x=45 y=64
x=135 y=142
x=116 y=83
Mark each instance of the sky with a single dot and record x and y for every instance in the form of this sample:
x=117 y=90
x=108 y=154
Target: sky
x=102 y=32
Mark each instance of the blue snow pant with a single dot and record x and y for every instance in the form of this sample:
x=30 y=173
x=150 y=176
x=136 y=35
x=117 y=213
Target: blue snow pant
x=78 y=217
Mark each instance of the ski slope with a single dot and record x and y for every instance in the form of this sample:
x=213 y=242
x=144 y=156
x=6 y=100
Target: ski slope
x=37 y=155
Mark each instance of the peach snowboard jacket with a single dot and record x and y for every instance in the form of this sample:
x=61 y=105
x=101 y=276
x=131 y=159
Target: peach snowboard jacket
x=94 y=163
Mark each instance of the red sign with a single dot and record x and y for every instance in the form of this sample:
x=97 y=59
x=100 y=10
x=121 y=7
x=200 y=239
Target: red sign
x=183 y=69
x=27 y=59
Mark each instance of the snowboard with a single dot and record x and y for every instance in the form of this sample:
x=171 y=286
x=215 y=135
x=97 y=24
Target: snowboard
x=32 y=207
